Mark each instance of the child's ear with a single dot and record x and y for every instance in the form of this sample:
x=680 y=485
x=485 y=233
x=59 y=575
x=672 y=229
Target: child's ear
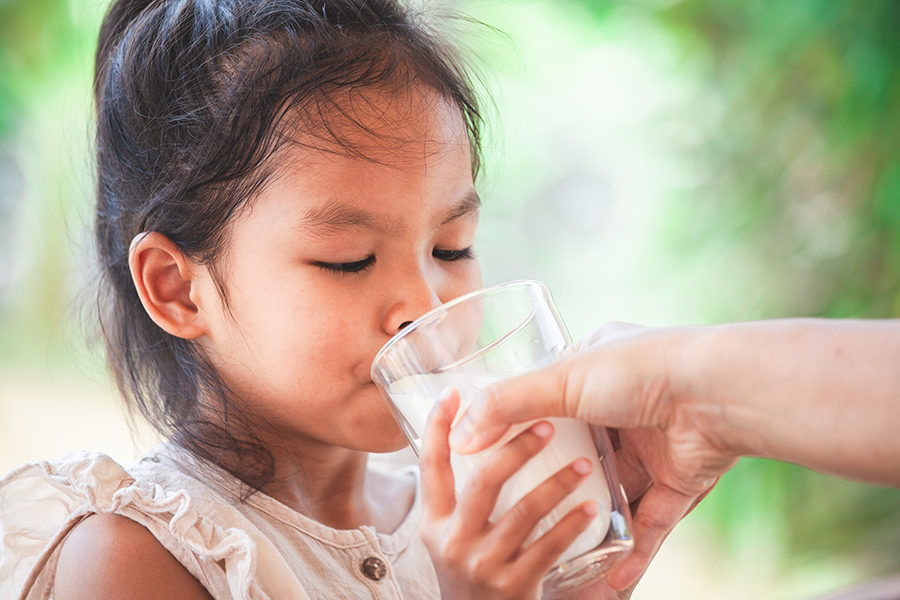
x=166 y=282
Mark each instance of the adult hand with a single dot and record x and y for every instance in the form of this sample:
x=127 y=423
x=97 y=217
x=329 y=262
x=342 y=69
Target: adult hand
x=621 y=381
x=685 y=403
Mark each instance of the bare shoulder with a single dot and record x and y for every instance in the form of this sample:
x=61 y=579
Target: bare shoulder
x=110 y=556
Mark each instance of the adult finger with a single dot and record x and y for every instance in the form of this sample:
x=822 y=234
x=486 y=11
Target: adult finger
x=438 y=495
x=615 y=385
x=660 y=509
x=634 y=446
x=534 y=395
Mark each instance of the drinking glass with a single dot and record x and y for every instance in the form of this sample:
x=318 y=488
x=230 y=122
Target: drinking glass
x=480 y=338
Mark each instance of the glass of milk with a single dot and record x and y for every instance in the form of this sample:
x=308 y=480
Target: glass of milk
x=473 y=341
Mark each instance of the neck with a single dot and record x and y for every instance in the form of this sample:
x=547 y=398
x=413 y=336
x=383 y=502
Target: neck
x=328 y=485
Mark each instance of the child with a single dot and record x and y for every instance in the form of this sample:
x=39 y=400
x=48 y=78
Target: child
x=282 y=186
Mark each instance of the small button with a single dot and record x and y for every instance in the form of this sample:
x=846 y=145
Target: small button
x=374 y=568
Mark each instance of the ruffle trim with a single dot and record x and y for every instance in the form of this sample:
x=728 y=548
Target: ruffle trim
x=40 y=502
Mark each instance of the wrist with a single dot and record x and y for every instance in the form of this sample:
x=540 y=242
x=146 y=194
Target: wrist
x=701 y=388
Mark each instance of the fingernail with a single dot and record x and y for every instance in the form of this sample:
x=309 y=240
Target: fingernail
x=582 y=466
x=590 y=508
x=461 y=435
x=445 y=394
x=543 y=430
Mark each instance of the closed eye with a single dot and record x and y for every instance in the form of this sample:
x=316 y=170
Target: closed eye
x=347 y=268
x=451 y=255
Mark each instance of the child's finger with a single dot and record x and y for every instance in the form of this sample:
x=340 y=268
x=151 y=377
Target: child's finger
x=517 y=524
x=476 y=502
x=438 y=494
x=544 y=553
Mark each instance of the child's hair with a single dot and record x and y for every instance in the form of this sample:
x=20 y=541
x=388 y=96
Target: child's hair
x=192 y=98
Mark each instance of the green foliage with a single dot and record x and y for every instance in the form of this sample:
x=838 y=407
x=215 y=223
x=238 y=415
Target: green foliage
x=38 y=40
x=802 y=159
x=46 y=49
x=800 y=166
x=804 y=518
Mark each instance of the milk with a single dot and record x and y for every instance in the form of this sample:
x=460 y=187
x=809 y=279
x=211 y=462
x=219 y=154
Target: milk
x=414 y=398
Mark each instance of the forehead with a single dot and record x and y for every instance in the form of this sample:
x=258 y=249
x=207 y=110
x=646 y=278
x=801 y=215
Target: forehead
x=380 y=155
x=383 y=125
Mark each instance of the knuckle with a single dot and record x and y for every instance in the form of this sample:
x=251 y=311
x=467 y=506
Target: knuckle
x=480 y=567
x=506 y=585
x=444 y=541
x=426 y=467
x=490 y=410
x=550 y=493
x=427 y=462
x=450 y=549
x=480 y=482
x=562 y=482
x=523 y=511
x=555 y=545
x=490 y=398
x=652 y=524
x=526 y=444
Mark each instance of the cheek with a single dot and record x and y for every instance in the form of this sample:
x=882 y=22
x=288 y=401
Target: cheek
x=462 y=279
x=476 y=274
x=324 y=340
x=327 y=338
x=286 y=331
x=468 y=280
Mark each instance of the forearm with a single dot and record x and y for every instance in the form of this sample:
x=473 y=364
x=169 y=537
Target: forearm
x=820 y=393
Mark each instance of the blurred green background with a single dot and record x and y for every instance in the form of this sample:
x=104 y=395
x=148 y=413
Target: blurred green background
x=654 y=161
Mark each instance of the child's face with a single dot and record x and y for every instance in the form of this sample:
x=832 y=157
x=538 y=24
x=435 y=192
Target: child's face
x=332 y=257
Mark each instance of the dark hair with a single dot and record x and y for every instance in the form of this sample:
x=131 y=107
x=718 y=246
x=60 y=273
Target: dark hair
x=190 y=99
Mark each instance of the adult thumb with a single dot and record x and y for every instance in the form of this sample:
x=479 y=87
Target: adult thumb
x=534 y=395
x=610 y=385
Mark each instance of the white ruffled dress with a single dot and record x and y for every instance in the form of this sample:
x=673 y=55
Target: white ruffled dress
x=256 y=549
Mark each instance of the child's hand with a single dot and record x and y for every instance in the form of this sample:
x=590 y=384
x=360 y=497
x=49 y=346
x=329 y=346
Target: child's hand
x=473 y=557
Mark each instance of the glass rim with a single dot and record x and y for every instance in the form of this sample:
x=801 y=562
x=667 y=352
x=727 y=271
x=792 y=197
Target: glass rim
x=432 y=314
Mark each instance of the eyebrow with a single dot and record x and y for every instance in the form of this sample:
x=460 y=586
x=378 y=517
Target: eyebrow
x=333 y=216
x=469 y=204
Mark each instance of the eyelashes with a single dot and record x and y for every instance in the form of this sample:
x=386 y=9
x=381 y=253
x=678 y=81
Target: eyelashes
x=359 y=266
x=452 y=255
x=347 y=268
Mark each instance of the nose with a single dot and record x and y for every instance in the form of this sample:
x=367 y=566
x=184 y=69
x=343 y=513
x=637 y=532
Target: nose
x=410 y=299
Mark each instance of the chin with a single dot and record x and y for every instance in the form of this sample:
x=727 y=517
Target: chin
x=385 y=450
x=390 y=439
x=379 y=431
